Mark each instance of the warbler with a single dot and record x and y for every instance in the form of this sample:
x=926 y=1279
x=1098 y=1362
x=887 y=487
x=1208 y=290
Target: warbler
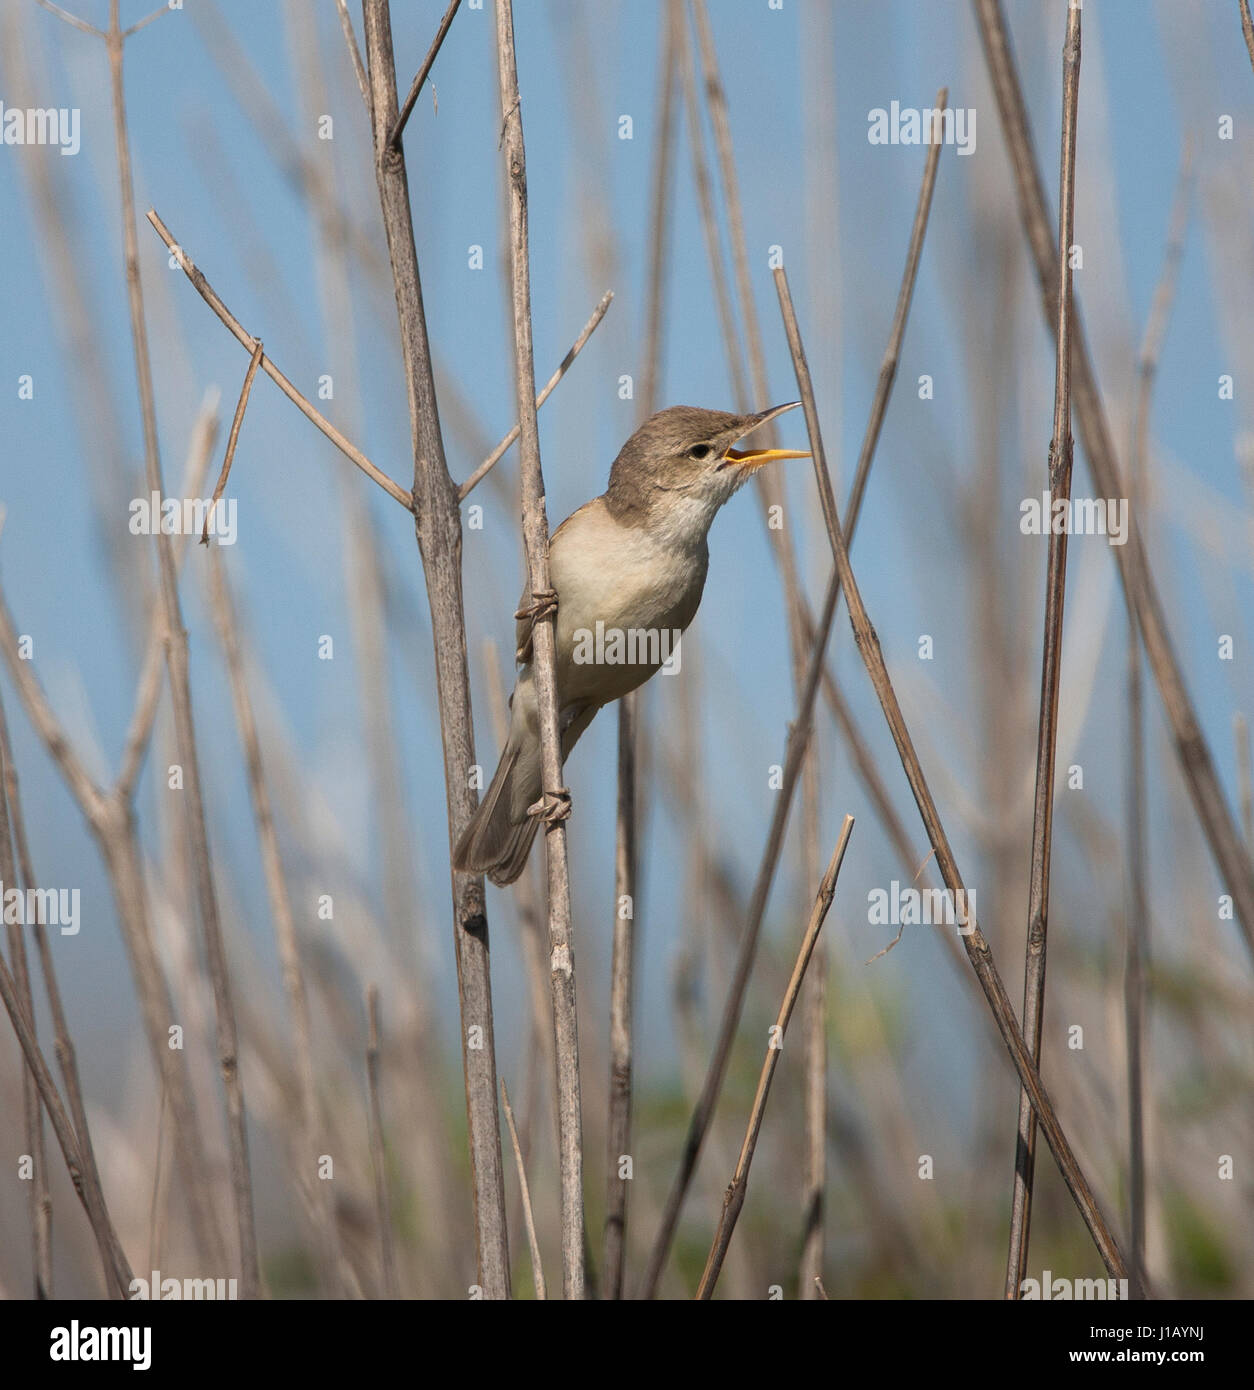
x=631 y=565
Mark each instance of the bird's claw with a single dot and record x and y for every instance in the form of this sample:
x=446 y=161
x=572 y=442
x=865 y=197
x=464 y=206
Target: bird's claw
x=543 y=602
x=552 y=807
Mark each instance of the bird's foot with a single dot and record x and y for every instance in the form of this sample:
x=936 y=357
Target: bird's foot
x=543 y=602
x=552 y=806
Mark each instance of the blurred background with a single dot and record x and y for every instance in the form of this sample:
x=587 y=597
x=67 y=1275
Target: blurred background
x=250 y=139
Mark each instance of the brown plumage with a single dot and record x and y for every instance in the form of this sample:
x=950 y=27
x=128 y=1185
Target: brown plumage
x=633 y=559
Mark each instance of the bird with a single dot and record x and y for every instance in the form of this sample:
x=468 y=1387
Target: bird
x=627 y=571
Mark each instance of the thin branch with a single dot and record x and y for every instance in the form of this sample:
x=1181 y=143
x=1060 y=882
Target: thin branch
x=147 y=19
x=232 y=439
x=246 y=339
x=378 y=1161
x=72 y=19
x=978 y=950
x=416 y=86
x=354 y=52
x=537 y=1269
x=544 y=646
x=1059 y=470
x=564 y=366
x=735 y=1198
x=1234 y=860
x=1247 y=29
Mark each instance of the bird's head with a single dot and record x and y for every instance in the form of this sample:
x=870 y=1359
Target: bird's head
x=680 y=466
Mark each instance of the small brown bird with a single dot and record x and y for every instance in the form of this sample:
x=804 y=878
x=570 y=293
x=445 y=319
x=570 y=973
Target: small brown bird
x=628 y=569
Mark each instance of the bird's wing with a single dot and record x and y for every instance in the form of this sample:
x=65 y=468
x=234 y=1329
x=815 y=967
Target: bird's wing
x=522 y=628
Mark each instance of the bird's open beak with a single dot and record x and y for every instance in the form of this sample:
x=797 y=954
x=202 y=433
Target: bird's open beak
x=751 y=459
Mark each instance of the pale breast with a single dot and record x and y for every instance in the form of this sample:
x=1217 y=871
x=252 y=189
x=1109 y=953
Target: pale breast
x=626 y=580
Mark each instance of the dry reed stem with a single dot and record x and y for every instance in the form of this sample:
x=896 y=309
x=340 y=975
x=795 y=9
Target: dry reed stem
x=177 y=664
x=437 y=522
x=537 y=1268
x=977 y=947
x=798 y=739
x=1059 y=475
x=544 y=638
x=562 y=368
x=703 y=1113
x=421 y=76
x=735 y=1198
x=354 y=51
x=110 y=817
x=232 y=439
x=210 y=296
x=1234 y=860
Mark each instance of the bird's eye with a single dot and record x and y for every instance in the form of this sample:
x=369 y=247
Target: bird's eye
x=699 y=452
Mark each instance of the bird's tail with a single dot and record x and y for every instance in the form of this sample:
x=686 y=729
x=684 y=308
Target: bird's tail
x=500 y=834
x=498 y=839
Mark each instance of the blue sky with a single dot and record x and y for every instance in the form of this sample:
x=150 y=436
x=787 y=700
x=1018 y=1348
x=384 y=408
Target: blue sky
x=1152 y=75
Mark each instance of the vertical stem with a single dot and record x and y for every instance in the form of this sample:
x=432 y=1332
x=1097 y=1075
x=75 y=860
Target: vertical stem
x=437 y=520
x=975 y=943
x=536 y=536
x=1234 y=860
x=32 y=1112
x=1060 y=458
x=815 y=1023
x=180 y=690
x=735 y=1198
x=623 y=963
